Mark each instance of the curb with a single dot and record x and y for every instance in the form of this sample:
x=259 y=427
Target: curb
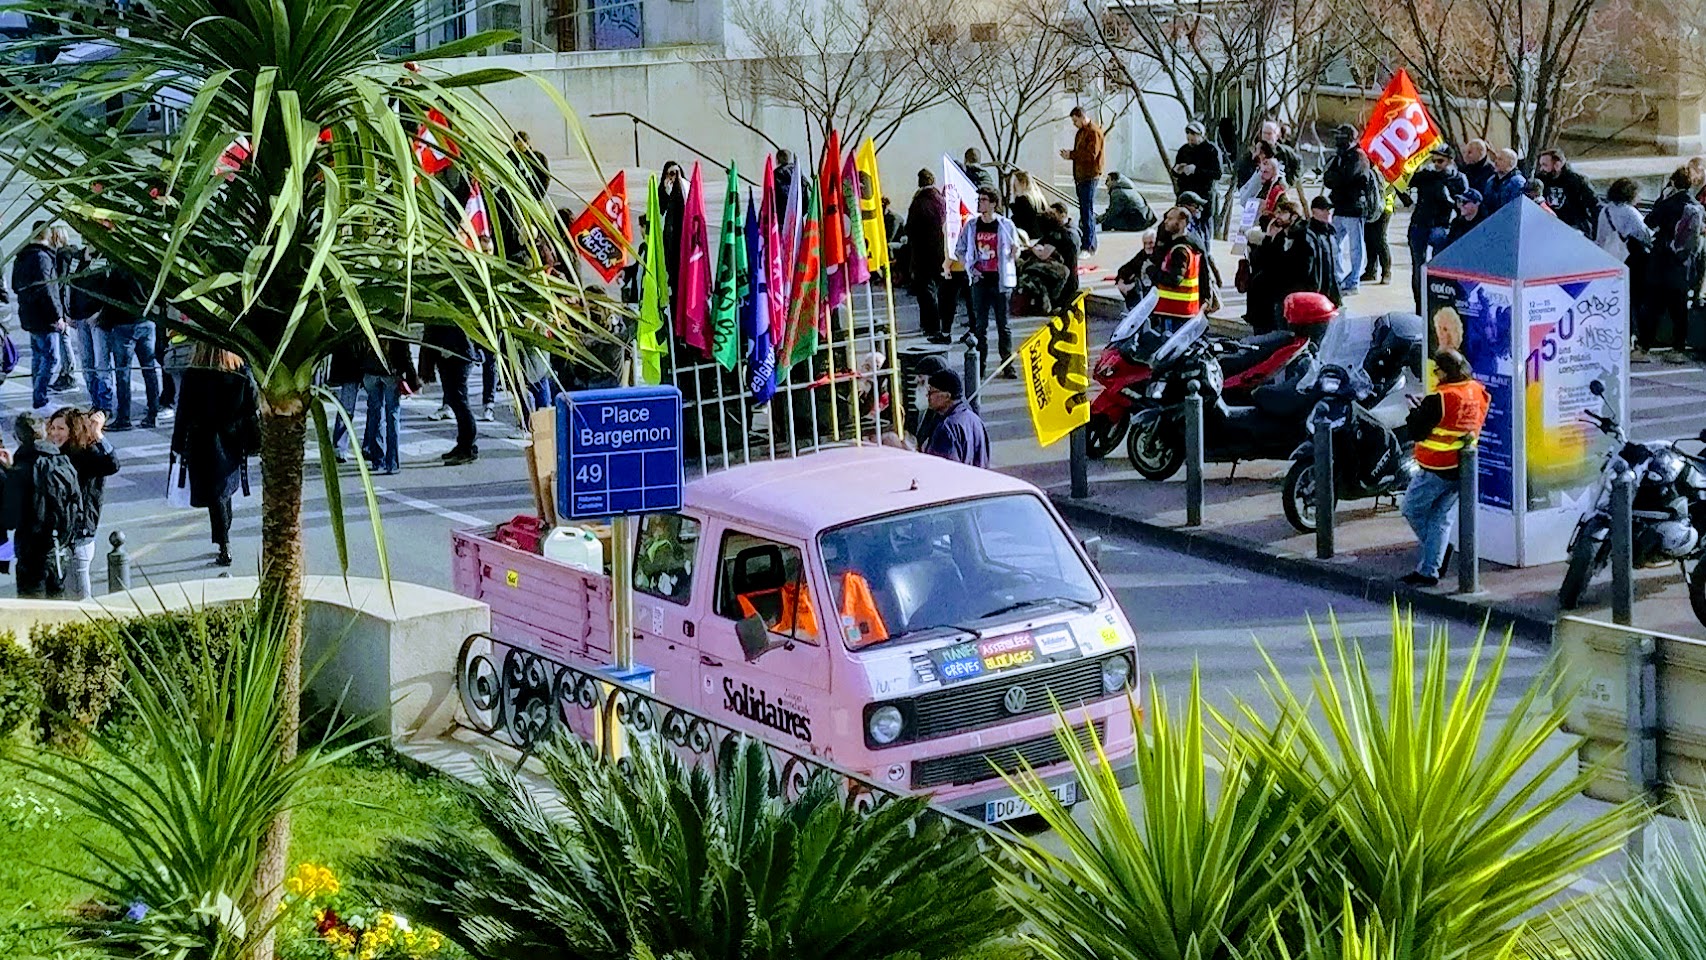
x=1339 y=578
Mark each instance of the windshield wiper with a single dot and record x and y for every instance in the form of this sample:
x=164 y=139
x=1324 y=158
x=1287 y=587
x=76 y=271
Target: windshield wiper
x=972 y=632
x=1084 y=605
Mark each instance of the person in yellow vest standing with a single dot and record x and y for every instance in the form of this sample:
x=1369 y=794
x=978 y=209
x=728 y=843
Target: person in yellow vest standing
x=1444 y=422
x=1178 y=273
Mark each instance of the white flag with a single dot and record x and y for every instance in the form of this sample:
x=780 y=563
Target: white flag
x=960 y=198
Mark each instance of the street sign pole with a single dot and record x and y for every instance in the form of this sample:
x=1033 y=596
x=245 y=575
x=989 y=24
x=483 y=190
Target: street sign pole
x=622 y=591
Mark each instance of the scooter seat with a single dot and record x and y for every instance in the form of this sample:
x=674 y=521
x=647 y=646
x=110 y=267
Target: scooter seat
x=1282 y=401
x=1252 y=351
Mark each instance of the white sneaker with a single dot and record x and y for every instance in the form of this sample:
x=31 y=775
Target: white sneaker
x=442 y=413
x=520 y=433
x=488 y=414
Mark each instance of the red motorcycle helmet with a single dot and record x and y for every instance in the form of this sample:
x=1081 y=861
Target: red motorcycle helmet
x=1309 y=310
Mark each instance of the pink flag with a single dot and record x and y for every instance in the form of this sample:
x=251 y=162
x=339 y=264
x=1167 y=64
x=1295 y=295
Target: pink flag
x=776 y=288
x=790 y=224
x=858 y=271
x=693 y=291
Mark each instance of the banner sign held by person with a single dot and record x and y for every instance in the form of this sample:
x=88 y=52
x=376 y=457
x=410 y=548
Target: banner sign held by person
x=604 y=231
x=1400 y=133
x=1055 y=365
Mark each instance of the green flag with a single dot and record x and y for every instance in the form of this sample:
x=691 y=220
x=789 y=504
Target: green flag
x=654 y=292
x=731 y=267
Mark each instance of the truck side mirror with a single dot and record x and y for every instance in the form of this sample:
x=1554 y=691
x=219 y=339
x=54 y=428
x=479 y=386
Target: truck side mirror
x=754 y=637
x=1093 y=547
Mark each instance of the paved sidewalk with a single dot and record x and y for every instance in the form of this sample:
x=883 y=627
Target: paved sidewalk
x=1243 y=522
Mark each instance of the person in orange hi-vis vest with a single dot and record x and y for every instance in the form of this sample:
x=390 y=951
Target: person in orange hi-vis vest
x=1445 y=421
x=1178 y=275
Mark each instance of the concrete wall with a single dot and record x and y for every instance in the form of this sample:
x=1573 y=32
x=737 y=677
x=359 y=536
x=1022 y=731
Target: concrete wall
x=386 y=652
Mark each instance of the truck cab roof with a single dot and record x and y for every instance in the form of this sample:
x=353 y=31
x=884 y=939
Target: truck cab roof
x=805 y=495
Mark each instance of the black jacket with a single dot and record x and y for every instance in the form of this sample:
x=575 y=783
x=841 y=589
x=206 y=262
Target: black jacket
x=1460 y=226
x=35 y=279
x=218 y=428
x=123 y=298
x=448 y=340
x=1436 y=193
x=1206 y=157
x=1350 y=183
x=93 y=465
x=1571 y=197
x=1478 y=174
x=926 y=233
x=1670 y=268
x=1314 y=263
x=20 y=514
x=397 y=361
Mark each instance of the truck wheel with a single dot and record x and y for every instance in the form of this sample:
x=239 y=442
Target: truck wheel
x=1697 y=591
x=1104 y=434
x=1585 y=561
x=1156 y=450
x=1298 y=495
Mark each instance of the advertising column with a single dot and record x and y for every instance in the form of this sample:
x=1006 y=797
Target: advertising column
x=1473 y=316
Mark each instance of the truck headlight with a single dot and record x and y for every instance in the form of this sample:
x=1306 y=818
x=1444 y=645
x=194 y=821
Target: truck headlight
x=1116 y=674
x=885 y=724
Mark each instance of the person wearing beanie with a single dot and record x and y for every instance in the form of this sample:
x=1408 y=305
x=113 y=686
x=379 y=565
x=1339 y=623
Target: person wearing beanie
x=1469 y=216
x=959 y=433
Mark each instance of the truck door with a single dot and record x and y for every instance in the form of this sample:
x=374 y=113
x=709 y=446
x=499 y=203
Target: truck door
x=666 y=559
x=782 y=693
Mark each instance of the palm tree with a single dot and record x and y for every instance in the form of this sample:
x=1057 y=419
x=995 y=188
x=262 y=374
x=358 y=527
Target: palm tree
x=652 y=858
x=320 y=230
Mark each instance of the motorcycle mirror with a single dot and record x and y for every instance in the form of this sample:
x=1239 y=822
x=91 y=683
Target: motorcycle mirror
x=1597 y=388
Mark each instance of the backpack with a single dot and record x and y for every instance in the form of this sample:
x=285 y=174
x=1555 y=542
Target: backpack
x=8 y=355
x=58 y=498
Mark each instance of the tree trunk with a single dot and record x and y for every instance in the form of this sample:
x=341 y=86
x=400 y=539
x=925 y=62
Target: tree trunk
x=284 y=431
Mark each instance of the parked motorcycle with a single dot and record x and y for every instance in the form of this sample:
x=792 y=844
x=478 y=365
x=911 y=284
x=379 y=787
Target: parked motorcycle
x=1364 y=407
x=1126 y=366
x=1268 y=427
x=1668 y=510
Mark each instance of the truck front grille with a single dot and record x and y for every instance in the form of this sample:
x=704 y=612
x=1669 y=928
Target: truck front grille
x=970 y=706
x=1040 y=752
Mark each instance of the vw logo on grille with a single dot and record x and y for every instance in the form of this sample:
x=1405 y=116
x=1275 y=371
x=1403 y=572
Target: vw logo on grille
x=1015 y=699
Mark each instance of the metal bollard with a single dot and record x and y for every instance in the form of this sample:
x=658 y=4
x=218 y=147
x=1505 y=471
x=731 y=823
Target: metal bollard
x=1193 y=454
x=1622 y=545
x=974 y=377
x=1468 y=502
x=1641 y=729
x=1080 y=462
x=1325 y=498
x=118 y=564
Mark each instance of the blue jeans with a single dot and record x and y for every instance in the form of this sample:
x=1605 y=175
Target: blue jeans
x=1086 y=216
x=340 y=433
x=384 y=398
x=1347 y=242
x=97 y=365
x=1430 y=507
x=44 y=365
x=138 y=339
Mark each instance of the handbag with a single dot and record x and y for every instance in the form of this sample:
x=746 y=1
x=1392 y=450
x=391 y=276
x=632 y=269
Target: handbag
x=1241 y=280
x=177 y=483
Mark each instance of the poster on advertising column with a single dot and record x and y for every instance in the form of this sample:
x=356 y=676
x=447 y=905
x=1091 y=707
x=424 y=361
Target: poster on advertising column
x=1473 y=316
x=1577 y=332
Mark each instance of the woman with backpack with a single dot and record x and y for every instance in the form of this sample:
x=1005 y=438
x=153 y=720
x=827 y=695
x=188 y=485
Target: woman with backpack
x=92 y=456
x=217 y=429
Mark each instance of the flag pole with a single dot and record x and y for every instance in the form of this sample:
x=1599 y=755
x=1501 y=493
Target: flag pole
x=827 y=313
x=853 y=366
x=896 y=411
x=876 y=372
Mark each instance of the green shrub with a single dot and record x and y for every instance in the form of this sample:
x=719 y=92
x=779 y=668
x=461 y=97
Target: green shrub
x=71 y=678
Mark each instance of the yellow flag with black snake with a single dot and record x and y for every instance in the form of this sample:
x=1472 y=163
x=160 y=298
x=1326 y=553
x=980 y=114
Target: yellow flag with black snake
x=1055 y=365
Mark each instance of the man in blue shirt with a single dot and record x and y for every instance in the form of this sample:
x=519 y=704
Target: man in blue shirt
x=959 y=433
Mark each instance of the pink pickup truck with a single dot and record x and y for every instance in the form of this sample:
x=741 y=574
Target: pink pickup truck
x=912 y=619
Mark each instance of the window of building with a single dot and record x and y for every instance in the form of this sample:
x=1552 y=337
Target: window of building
x=760 y=577
x=665 y=556
x=984 y=32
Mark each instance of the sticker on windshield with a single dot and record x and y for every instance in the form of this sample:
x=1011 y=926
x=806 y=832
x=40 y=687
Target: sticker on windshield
x=1056 y=640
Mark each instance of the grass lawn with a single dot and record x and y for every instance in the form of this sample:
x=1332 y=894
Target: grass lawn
x=361 y=803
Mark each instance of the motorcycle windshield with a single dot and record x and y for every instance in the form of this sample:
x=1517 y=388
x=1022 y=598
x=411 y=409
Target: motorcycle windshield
x=1183 y=337
x=1136 y=318
x=1345 y=344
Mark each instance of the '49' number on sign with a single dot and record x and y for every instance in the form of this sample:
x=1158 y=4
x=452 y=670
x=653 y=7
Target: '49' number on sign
x=590 y=473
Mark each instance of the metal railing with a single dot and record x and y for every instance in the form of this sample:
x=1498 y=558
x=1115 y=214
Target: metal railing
x=522 y=699
x=640 y=121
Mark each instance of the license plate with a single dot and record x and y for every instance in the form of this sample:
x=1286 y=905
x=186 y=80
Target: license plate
x=1010 y=808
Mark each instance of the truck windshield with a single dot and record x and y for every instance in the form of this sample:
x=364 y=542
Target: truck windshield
x=952 y=568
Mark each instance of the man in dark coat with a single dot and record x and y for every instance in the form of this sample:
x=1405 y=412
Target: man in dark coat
x=784 y=176
x=1469 y=216
x=1197 y=169
x=217 y=430
x=1567 y=192
x=1477 y=166
x=927 y=248
x=1355 y=193
x=1435 y=189
x=959 y=434
x=1677 y=221
x=1315 y=261
x=41 y=307
x=43 y=509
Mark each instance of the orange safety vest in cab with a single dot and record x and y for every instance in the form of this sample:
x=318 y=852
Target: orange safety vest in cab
x=860 y=618
x=1465 y=410
x=796 y=611
x=1183 y=299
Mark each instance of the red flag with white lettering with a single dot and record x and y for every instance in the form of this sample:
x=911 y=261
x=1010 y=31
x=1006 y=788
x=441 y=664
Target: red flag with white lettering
x=604 y=232
x=1400 y=134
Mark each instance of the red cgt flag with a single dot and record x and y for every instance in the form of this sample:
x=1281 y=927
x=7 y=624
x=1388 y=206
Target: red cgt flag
x=604 y=232
x=1400 y=133
x=434 y=155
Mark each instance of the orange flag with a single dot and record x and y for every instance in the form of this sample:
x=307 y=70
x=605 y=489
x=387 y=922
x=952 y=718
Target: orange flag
x=1400 y=133
x=604 y=232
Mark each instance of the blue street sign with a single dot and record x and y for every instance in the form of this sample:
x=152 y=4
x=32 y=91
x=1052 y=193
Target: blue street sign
x=618 y=452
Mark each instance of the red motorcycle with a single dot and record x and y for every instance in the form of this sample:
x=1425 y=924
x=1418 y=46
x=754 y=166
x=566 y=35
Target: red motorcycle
x=1123 y=371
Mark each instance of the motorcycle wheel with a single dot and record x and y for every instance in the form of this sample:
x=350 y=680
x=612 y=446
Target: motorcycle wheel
x=1697 y=590
x=1104 y=434
x=1156 y=452
x=1298 y=496
x=1584 y=563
